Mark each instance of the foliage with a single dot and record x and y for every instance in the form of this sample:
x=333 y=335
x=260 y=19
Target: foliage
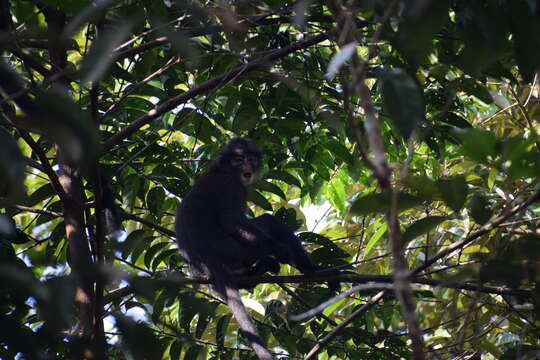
x=137 y=96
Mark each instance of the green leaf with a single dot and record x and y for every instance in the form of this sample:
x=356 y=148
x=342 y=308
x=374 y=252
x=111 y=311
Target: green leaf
x=380 y=203
x=152 y=252
x=380 y=231
x=425 y=187
x=273 y=188
x=221 y=330
x=336 y=192
x=480 y=210
x=259 y=200
x=454 y=191
x=130 y=243
x=339 y=150
x=198 y=126
x=403 y=100
x=176 y=349
x=155 y=199
x=283 y=176
x=247 y=117
x=478 y=144
x=420 y=227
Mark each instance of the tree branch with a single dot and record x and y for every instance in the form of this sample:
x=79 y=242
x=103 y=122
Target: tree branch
x=214 y=83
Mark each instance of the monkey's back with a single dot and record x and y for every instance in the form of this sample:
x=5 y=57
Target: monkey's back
x=200 y=232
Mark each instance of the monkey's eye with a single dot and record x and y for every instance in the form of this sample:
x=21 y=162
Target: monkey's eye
x=237 y=160
x=253 y=160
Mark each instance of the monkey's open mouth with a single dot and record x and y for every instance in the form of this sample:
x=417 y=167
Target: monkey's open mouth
x=247 y=176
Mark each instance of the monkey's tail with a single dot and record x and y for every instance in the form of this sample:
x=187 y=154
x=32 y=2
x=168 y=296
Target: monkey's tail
x=233 y=299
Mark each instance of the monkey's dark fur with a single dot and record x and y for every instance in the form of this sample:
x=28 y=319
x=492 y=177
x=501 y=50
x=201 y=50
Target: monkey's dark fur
x=218 y=240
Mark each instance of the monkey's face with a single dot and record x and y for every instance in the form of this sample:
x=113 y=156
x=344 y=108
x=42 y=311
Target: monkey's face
x=246 y=164
x=242 y=158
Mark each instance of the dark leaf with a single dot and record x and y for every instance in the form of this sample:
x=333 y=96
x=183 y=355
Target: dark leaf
x=259 y=200
x=221 y=329
x=454 y=191
x=415 y=34
x=12 y=167
x=247 y=117
x=478 y=144
x=155 y=199
x=152 y=252
x=381 y=203
x=483 y=28
x=403 y=100
x=423 y=186
x=456 y=120
x=502 y=272
x=339 y=150
x=524 y=23
x=480 y=209
x=472 y=87
x=283 y=176
x=137 y=338
x=268 y=186
x=420 y=227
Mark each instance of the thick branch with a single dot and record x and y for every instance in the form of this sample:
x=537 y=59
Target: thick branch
x=175 y=281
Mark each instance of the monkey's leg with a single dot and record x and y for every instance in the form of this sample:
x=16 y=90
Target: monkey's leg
x=285 y=244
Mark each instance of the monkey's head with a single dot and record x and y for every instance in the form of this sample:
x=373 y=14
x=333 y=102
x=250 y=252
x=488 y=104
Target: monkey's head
x=241 y=157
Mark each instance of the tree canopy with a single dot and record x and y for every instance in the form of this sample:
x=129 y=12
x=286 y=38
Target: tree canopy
x=400 y=141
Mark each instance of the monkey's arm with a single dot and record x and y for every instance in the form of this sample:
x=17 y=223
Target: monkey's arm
x=243 y=229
